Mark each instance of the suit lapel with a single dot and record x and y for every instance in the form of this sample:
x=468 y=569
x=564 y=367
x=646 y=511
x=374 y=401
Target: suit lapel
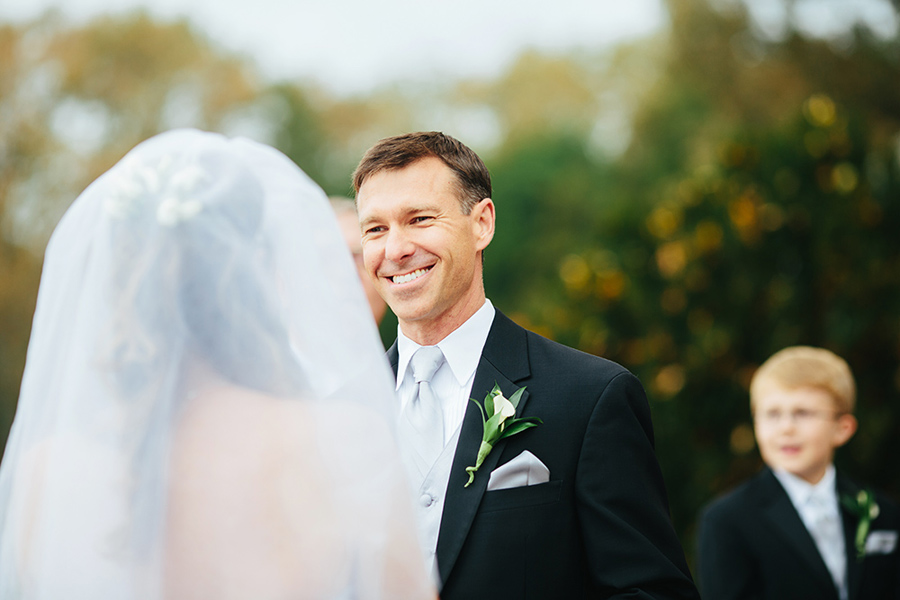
x=786 y=521
x=845 y=487
x=504 y=360
x=393 y=356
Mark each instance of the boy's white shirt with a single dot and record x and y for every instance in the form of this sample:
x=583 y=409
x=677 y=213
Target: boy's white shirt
x=813 y=502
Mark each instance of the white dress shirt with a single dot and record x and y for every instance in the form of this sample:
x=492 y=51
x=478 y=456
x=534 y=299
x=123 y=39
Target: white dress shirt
x=452 y=382
x=452 y=386
x=817 y=505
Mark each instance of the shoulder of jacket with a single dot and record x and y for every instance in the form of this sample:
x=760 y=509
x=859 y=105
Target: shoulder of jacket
x=736 y=498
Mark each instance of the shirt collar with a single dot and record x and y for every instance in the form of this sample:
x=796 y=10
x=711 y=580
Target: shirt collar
x=462 y=348
x=800 y=490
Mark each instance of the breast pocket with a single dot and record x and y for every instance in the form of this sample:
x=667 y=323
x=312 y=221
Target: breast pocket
x=520 y=497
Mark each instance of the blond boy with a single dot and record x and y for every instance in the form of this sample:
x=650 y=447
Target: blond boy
x=799 y=529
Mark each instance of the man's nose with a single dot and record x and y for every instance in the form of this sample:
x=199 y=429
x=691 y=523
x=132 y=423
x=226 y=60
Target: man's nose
x=398 y=245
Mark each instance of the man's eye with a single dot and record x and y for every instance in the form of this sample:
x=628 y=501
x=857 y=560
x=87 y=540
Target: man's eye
x=421 y=219
x=376 y=229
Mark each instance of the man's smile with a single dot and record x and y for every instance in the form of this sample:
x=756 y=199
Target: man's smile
x=410 y=276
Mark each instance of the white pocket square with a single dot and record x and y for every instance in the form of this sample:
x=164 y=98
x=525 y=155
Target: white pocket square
x=881 y=542
x=525 y=469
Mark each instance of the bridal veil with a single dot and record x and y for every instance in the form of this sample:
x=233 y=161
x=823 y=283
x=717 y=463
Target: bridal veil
x=206 y=410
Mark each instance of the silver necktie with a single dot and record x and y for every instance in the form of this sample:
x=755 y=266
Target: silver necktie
x=422 y=420
x=829 y=539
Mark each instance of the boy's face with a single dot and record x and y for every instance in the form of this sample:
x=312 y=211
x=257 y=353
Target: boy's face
x=799 y=429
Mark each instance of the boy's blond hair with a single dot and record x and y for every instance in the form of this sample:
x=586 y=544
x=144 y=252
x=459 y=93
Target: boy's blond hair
x=805 y=366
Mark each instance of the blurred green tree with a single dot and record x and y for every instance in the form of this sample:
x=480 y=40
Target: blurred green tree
x=72 y=102
x=753 y=209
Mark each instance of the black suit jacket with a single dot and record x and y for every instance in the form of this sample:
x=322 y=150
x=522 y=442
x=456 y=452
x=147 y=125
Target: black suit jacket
x=753 y=544
x=600 y=528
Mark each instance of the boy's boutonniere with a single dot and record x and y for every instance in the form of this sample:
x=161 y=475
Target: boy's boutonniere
x=862 y=505
x=496 y=415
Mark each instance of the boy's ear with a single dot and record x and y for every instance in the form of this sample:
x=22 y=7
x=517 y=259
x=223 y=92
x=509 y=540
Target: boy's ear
x=846 y=427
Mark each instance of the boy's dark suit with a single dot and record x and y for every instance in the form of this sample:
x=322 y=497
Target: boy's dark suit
x=600 y=526
x=753 y=544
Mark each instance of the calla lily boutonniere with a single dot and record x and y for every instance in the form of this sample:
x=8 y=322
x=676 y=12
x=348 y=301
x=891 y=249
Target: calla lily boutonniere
x=862 y=505
x=496 y=416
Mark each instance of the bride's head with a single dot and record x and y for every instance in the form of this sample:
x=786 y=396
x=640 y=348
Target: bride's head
x=195 y=250
x=192 y=272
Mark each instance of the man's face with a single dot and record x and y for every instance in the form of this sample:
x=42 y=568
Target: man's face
x=422 y=252
x=799 y=429
x=349 y=224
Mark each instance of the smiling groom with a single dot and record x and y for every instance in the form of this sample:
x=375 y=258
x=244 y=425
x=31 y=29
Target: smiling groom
x=572 y=508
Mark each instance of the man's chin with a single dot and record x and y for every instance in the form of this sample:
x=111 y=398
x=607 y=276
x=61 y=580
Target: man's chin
x=418 y=317
x=409 y=304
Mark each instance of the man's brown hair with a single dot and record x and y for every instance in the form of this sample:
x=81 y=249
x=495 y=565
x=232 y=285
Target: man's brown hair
x=473 y=181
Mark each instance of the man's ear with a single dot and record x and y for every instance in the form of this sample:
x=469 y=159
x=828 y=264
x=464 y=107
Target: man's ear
x=483 y=219
x=846 y=427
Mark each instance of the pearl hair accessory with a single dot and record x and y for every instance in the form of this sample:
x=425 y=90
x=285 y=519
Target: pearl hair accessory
x=176 y=184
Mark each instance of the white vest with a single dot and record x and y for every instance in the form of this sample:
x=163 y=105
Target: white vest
x=429 y=502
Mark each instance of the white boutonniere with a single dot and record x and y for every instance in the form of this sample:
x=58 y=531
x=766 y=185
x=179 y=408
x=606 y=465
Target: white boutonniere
x=496 y=417
x=862 y=505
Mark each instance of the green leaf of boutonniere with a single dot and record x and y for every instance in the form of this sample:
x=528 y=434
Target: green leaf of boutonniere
x=864 y=507
x=497 y=418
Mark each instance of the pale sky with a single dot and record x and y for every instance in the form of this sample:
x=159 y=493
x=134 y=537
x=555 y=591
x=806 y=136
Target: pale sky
x=356 y=45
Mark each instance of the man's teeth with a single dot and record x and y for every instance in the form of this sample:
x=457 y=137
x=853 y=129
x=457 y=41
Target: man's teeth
x=409 y=276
